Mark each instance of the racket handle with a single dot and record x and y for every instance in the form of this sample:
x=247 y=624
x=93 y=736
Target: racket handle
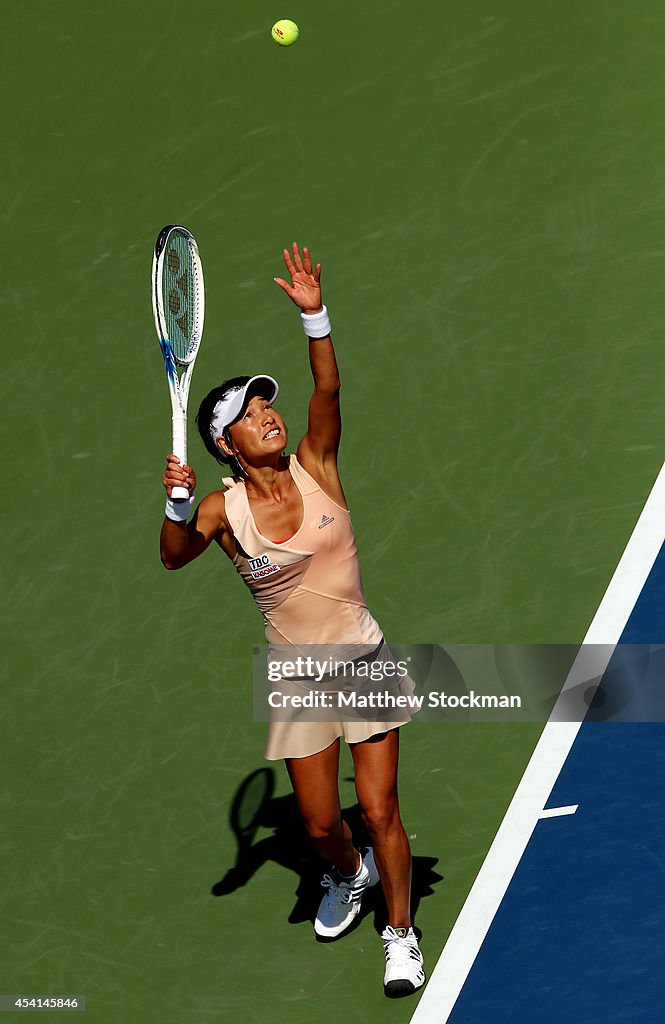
x=179 y=423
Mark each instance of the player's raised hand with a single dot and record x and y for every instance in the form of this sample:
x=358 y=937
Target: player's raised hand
x=305 y=287
x=176 y=475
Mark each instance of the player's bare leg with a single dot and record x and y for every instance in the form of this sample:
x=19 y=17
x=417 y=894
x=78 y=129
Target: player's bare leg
x=376 y=763
x=314 y=781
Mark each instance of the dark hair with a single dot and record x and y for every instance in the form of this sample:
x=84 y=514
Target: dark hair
x=204 y=419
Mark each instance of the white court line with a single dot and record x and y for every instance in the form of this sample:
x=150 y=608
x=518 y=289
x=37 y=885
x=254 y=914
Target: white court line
x=558 y=812
x=475 y=918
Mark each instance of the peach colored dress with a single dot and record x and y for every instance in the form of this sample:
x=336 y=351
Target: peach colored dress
x=309 y=591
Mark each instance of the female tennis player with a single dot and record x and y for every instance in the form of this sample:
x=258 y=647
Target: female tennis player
x=284 y=523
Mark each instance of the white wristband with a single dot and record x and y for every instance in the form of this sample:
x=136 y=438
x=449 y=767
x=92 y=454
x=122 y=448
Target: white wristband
x=179 y=511
x=317 y=325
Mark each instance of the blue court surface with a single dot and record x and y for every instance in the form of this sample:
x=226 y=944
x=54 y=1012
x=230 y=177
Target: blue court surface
x=566 y=921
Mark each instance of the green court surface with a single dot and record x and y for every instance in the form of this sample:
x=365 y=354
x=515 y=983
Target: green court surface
x=484 y=187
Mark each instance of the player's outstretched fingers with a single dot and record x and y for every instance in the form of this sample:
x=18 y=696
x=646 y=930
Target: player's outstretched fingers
x=284 y=285
x=307 y=261
x=296 y=258
x=289 y=263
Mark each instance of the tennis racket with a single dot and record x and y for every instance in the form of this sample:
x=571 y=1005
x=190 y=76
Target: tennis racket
x=178 y=304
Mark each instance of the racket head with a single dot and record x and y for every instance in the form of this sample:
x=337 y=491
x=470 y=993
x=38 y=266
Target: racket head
x=178 y=294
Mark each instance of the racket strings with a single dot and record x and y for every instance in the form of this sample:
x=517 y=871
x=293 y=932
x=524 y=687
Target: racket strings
x=180 y=297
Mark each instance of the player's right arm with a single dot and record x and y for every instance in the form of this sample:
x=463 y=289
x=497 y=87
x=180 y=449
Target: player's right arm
x=181 y=543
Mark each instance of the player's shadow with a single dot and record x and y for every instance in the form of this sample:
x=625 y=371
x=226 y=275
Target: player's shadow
x=254 y=807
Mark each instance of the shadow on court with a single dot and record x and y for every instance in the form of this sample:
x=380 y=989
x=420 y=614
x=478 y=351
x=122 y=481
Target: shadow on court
x=254 y=807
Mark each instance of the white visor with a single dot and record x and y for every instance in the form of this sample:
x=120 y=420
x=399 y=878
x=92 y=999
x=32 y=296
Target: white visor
x=230 y=408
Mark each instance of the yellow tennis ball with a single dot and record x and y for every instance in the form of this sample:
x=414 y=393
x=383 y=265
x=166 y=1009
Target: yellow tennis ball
x=285 y=32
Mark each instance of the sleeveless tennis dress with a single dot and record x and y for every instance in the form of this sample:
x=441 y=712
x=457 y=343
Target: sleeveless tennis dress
x=309 y=591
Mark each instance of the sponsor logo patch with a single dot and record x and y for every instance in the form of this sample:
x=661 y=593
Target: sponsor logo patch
x=262 y=566
x=326 y=521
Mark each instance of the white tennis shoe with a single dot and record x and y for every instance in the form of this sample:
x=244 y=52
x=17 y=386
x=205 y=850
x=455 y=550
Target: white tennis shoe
x=404 y=962
x=341 y=903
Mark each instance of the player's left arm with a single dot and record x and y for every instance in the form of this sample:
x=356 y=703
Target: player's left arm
x=319 y=446
x=324 y=422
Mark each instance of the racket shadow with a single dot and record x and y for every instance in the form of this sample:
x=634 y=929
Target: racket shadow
x=254 y=807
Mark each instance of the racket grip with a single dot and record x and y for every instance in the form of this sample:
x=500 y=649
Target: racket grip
x=179 y=423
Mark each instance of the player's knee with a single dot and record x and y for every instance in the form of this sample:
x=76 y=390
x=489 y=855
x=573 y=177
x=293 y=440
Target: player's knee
x=381 y=818
x=320 y=828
